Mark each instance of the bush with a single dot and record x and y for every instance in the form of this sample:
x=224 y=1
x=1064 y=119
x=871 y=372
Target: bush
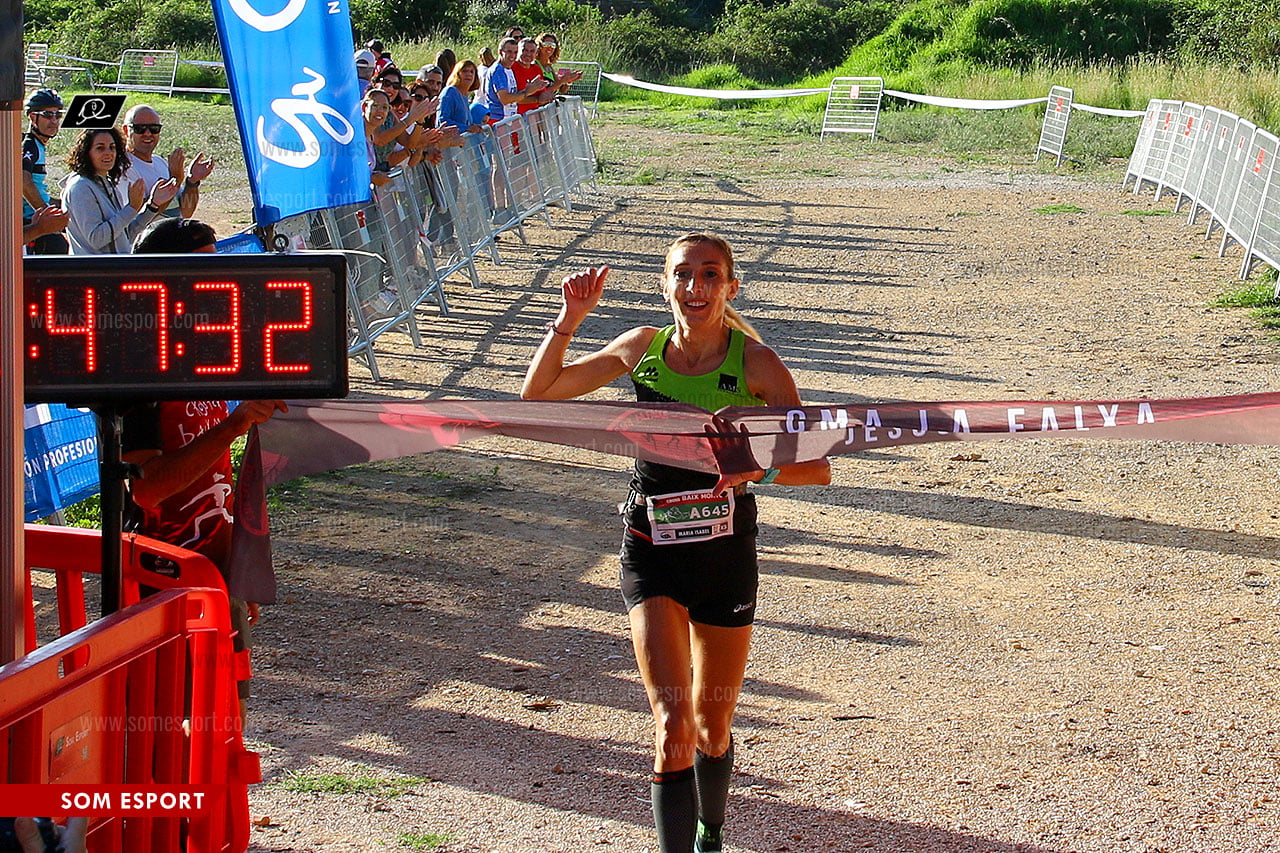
x=537 y=16
x=793 y=39
x=1241 y=33
x=643 y=45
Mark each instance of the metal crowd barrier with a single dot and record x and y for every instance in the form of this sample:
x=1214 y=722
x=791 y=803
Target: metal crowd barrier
x=148 y=694
x=1221 y=164
x=432 y=222
x=1053 y=129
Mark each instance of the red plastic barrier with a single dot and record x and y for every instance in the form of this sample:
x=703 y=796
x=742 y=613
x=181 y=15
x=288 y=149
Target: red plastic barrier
x=120 y=689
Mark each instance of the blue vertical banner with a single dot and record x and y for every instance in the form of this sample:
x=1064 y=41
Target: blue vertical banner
x=297 y=102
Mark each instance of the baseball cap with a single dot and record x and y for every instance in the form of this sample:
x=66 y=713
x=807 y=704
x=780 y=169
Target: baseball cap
x=364 y=56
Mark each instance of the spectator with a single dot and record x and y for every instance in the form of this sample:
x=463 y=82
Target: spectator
x=365 y=68
x=183 y=495
x=548 y=56
x=502 y=96
x=382 y=58
x=454 y=111
x=445 y=60
x=390 y=79
x=526 y=71
x=430 y=78
x=514 y=33
x=104 y=216
x=483 y=69
x=142 y=135
x=44 y=111
x=44 y=220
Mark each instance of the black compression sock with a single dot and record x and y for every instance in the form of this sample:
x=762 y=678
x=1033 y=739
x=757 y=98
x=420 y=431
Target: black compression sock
x=674 y=809
x=713 y=784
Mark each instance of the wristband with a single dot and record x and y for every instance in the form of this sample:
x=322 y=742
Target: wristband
x=552 y=328
x=151 y=207
x=769 y=477
x=192 y=183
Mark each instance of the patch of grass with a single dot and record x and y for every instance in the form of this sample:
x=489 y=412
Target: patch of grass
x=644 y=176
x=1268 y=318
x=1258 y=293
x=1054 y=209
x=1162 y=211
x=315 y=782
x=423 y=840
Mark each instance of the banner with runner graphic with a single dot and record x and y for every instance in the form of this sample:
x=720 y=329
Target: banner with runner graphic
x=297 y=103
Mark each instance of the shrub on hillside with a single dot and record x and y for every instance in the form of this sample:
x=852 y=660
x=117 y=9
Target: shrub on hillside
x=1242 y=33
x=644 y=45
x=795 y=38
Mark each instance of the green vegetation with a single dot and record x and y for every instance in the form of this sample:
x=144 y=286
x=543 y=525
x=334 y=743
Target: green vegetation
x=423 y=840
x=1161 y=211
x=315 y=782
x=1054 y=209
x=1114 y=53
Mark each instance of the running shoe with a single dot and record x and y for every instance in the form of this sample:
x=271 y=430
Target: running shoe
x=709 y=840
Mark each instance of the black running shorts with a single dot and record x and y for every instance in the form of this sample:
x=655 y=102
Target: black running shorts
x=715 y=580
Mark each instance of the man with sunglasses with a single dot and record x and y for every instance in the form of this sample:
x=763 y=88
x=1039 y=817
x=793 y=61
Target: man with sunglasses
x=142 y=135
x=44 y=111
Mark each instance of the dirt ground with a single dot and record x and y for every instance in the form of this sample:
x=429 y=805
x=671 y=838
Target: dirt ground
x=1041 y=646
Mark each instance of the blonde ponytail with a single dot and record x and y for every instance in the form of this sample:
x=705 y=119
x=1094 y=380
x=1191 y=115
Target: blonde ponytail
x=734 y=320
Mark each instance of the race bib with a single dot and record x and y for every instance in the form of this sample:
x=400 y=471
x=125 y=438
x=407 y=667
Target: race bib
x=689 y=516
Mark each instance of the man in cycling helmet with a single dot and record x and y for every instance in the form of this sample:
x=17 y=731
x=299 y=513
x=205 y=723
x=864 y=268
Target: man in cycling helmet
x=44 y=111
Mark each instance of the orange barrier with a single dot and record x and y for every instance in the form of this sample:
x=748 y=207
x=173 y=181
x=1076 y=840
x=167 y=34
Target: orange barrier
x=147 y=695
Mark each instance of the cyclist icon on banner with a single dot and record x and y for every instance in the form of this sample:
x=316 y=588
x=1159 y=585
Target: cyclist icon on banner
x=290 y=111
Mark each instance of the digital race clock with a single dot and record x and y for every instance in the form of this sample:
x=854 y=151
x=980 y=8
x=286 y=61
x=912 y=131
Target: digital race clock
x=184 y=327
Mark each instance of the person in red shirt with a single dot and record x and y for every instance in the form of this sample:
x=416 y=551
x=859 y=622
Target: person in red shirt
x=526 y=70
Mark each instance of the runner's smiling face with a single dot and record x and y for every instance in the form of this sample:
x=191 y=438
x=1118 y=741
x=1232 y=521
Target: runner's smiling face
x=698 y=284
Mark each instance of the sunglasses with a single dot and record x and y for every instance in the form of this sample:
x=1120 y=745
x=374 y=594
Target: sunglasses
x=50 y=114
x=146 y=128
x=550 y=44
x=419 y=97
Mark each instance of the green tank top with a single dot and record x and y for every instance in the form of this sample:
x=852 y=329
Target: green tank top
x=655 y=382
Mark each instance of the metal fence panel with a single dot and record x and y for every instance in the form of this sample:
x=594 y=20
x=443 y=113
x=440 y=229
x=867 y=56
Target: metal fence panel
x=405 y=220
x=1053 y=130
x=581 y=148
x=148 y=71
x=1233 y=182
x=1232 y=171
x=1261 y=172
x=1219 y=125
x=853 y=106
x=1142 y=145
x=466 y=176
x=1181 y=145
x=1161 y=141
x=588 y=88
x=545 y=144
x=513 y=157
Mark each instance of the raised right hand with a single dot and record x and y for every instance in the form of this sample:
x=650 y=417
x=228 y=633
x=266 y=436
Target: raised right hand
x=582 y=292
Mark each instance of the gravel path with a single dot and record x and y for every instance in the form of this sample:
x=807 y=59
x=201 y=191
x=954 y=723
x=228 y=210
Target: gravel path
x=1038 y=646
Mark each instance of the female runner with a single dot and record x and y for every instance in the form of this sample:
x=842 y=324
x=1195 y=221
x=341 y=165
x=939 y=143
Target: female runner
x=690 y=603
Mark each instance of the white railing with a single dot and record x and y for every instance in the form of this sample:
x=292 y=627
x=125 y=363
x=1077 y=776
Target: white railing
x=853 y=106
x=1220 y=163
x=1053 y=130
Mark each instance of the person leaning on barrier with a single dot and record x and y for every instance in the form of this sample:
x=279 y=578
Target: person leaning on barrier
x=526 y=71
x=44 y=112
x=183 y=493
x=44 y=220
x=142 y=130
x=502 y=96
x=690 y=592
x=558 y=81
x=105 y=213
x=455 y=111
